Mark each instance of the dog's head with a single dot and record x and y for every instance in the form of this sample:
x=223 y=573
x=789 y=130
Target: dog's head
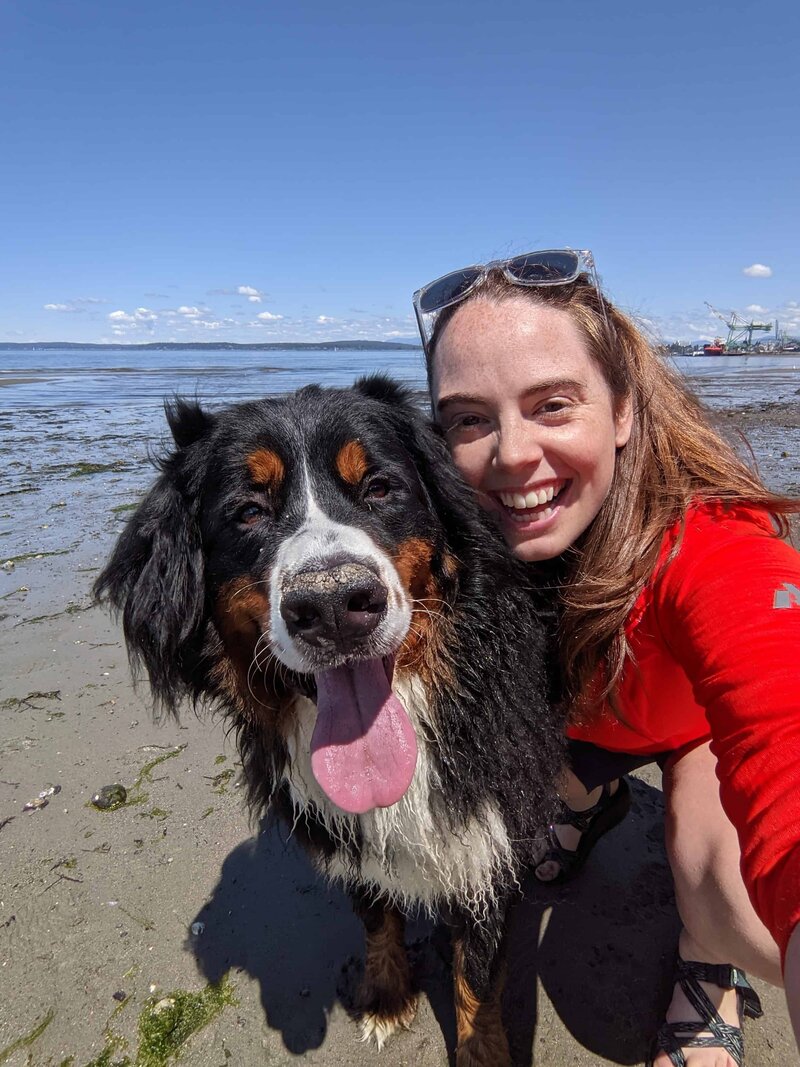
x=305 y=543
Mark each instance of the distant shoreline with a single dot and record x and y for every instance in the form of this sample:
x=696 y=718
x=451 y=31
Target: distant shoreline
x=185 y=346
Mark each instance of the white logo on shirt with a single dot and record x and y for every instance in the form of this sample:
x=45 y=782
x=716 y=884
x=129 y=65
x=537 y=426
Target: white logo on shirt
x=788 y=596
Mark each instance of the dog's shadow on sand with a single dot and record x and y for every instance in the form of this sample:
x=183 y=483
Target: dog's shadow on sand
x=600 y=948
x=272 y=916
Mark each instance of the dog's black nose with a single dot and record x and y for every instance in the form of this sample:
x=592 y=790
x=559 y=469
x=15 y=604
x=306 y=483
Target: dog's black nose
x=342 y=604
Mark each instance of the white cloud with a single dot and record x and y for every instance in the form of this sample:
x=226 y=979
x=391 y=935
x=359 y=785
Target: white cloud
x=253 y=295
x=756 y=309
x=140 y=317
x=190 y=312
x=71 y=307
x=322 y=319
x=758 y=270
x=267 y=316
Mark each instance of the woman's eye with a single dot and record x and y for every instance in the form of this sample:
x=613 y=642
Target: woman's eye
x=553 y=407
x=250 y=514
x=464 y=422
x=377 y=488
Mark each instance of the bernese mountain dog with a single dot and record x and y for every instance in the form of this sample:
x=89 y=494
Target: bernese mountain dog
x=314 y=566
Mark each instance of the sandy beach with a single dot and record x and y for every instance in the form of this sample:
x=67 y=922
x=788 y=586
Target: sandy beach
x=172 y=925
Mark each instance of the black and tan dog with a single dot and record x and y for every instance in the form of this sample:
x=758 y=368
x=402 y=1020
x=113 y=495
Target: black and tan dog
x=315 y=567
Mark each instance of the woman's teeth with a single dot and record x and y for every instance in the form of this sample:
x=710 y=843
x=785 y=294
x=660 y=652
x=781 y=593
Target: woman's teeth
x=533 y=499
x=527 y=518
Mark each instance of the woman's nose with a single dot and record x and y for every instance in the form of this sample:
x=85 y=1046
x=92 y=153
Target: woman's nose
x=517 y=445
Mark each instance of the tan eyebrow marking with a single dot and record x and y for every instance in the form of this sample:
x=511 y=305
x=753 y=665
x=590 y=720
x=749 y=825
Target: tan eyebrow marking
x=351 y=462
x=266 y=468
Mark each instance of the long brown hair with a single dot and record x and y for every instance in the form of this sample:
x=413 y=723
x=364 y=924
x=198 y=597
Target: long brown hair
x=674 y=457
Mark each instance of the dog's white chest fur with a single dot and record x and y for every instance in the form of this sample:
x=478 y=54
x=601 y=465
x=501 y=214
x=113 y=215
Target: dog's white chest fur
x=411 y=857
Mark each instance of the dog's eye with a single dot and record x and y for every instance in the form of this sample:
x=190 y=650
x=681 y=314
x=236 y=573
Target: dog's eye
x=377 y=488
x=249 y=514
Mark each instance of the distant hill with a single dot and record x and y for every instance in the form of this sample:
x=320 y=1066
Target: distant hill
x=183 y=346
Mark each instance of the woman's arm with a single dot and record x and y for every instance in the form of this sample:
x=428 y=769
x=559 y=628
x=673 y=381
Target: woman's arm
x=725 y=611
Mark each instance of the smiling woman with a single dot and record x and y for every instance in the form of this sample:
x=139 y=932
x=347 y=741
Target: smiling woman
x=591 y=454
x=530 y=420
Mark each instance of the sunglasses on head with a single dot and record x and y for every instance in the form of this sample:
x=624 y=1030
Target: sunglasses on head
x=553 y=266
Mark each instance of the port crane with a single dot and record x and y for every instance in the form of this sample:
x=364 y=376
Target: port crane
x=740 y=331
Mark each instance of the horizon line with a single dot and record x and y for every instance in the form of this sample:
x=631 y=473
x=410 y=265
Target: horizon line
x=215 y=344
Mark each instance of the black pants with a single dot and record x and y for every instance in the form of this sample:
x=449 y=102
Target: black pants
x=594 y=766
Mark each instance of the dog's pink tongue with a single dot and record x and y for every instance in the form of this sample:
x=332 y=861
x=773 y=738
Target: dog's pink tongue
x=364 y=750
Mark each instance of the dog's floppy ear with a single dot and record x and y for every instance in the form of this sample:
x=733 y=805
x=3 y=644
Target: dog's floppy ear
x=155 y=575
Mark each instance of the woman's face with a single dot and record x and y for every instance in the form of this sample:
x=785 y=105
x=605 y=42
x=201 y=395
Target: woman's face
x=529 y=419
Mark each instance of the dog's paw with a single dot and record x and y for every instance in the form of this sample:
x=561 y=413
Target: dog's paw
x=377 y=1027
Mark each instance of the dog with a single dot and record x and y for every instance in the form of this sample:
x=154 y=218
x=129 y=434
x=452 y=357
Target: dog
x=315 y=567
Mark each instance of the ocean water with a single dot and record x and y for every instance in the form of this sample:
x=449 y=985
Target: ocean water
x=140 y=380
x=79 y=430
x=733 y=381
x=102 y=377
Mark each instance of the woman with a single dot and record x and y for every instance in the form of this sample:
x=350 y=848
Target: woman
x=681 y=609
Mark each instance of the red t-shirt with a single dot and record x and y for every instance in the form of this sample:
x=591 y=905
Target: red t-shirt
x=716 y=644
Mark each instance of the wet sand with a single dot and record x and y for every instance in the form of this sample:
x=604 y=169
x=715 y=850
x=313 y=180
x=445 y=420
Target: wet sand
x=5 y=381
x=95 y=904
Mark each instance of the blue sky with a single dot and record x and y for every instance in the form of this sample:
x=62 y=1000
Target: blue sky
x=261 y=171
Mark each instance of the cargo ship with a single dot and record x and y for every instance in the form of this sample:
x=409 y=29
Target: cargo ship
x=716 y=348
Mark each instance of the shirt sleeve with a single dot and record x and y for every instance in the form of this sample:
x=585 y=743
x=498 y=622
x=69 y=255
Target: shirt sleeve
x=728 y=607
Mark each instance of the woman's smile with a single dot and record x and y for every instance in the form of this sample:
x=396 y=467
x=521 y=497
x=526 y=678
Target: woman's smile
x=529 y=506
